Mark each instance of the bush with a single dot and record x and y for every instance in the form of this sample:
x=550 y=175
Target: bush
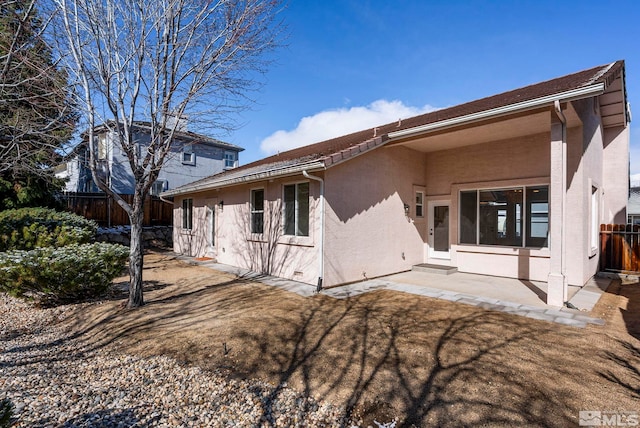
x=28 y=228
x=51 y=275
x=6 y=412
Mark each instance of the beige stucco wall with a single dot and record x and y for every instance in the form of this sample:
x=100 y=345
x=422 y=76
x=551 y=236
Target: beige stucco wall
x=368 y=233
x=507 y=163
x=584 y=171
x=616 y=174
x=271 y=252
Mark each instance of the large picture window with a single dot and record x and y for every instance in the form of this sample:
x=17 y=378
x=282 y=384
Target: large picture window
x=296 y=209
x=513 y=217
x=257 y=211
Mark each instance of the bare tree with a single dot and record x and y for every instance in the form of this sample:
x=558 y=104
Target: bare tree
x=153 y=61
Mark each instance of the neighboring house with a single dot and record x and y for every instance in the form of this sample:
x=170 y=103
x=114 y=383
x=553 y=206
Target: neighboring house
x=513 y=185
x=633 y=209
x=193 y=157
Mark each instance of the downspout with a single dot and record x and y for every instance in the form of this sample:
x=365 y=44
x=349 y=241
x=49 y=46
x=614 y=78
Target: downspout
x=321 y=239
x=563 y=246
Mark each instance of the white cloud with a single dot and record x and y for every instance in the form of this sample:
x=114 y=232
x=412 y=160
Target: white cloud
x=634 y=180
x=334 y=123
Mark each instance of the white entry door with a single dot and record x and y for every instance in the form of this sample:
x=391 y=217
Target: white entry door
x=439 y=245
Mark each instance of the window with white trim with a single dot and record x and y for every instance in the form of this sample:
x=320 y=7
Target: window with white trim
x=187 y=214
x=595 y=219
x=230 y=160
x=419 y=204
x=296 y=209
x=188 y=155
x=257 y=211
x=512 y=217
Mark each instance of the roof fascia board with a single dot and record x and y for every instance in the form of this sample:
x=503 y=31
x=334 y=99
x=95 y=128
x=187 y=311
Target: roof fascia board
x=258 y=176
x=575 y=94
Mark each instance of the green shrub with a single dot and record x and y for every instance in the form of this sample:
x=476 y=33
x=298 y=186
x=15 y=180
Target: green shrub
x=51 y=275
x=6 y=412
x=28 y=228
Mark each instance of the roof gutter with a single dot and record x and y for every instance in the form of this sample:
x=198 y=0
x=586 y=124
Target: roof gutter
x=258 y=176
x=575 y=94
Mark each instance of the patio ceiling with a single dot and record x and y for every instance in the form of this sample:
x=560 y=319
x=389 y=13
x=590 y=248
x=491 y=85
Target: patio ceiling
x=498 y=129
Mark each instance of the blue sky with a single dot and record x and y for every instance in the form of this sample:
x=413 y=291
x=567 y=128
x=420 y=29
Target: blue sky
x=349 y=65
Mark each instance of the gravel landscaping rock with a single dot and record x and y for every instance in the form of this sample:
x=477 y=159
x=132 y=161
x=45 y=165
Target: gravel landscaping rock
x=56 y=380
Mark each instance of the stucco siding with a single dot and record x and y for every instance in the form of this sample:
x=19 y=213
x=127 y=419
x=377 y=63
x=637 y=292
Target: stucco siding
x=272 y=252
x=368 y=233
x=584 y=176
x=616 y=174
x=516 y=162
x=523 y=157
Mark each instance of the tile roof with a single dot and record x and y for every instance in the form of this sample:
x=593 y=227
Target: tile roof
x=327 y=150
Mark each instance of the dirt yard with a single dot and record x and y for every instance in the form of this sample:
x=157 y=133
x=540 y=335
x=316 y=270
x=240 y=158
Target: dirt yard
x=383 y=355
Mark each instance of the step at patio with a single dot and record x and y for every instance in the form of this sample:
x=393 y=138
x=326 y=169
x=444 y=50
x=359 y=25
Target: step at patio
x=439 y=269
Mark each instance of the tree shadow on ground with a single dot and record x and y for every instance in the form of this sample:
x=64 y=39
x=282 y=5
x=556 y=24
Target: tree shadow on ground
x=625 y=370
x=382 y=355
x=445 y=371
x=631 y=314
x=101 y=418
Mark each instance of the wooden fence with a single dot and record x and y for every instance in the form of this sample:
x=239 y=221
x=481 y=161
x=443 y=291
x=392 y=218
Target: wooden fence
x=106 y=212
x=620 y=247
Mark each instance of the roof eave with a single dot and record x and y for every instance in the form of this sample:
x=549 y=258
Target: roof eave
x=572 y=95
x=249 y=178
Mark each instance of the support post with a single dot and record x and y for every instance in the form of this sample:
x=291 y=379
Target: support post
x=556 y=282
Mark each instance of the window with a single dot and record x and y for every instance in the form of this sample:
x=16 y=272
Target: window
x=501 y=217
x=296 y=209
x=538 y=215
x=514 y=217
x=419 y=204
x=188 y=156
x=468 y=217
x=187 y=214
x=257 y=211
x=229 y=160
x=634 y=219
x=595 y=219
x=158 y=187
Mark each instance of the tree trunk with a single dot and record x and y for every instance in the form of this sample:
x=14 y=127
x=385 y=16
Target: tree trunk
x=136 y=253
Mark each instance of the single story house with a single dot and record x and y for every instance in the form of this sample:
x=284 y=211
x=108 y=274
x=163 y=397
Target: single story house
x=513 y=185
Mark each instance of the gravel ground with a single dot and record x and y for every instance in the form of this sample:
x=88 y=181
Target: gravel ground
x=55 y=380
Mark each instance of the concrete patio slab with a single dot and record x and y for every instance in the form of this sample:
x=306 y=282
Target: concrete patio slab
x=492 y=293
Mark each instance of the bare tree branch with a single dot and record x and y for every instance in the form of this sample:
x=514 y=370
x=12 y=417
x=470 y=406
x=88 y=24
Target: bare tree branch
x=153 y=61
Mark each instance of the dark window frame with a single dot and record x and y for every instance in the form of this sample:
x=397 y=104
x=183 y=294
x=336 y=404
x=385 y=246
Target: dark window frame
x=187 y=214
x=520 y=211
